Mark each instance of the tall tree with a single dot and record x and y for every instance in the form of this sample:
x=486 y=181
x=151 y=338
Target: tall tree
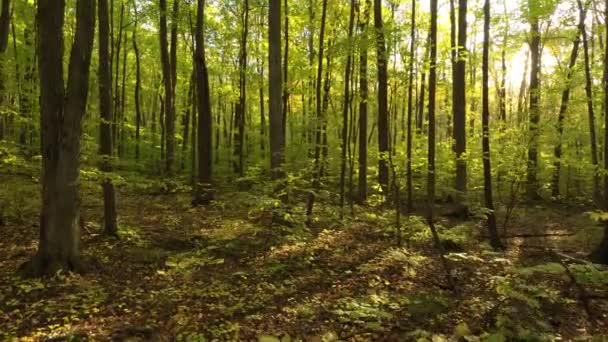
x=363 y=104
x=431 y=181
x=275 y=83
x=565 y=100
x=460 y=106
x=535 y=55
x=168 y=83
x=137 y=94
x=410 y=104
x=61 y=112
x=239 y=115
x=5 y=18
x=601 y=252
x=383 y=129
x=105 y=128
x=346 y=104
x=485 y=118
x=590 y=108
x=204 y=192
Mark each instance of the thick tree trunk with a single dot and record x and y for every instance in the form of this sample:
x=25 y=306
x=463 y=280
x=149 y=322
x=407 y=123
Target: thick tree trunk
x=204 y=193
x=532 y=169
x=61 y=112
x=105 y=130
x=383 y=132
x=460 y=105
x=485 y=118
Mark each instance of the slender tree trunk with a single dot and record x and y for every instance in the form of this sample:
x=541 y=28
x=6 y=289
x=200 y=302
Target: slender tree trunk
x=5 y=18
x=286 y=68
x=320 y=122
x=61 y=111
x=105 y=129
x=431 y=142
x=563 y=109
x=203 y=193
x=168 y=82
x=591 y=111
x=275 y=80
x=346 y=104
x=239 y=115
x=363 y=106
x=137 y=86
x=383 y=132
x=410 y=104
x=485 y=118
x=116 y=53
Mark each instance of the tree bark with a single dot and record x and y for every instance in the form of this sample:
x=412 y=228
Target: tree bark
x=532 y=168
x=61 y=112
x=563 y=109
x=204 y=192
x=363 y=106
x=485 y=118
x=460 y=105
x=383 y=132
x=5 y=18
x=105 y=129
x=277 y=132
x=168 y=83
x=410 y=104
x=239 y=117
x=137 y=94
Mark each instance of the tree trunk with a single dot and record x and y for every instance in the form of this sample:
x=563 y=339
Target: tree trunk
x=168 y=82
x=431 y=141
x=460 y=106
x=137 y=87
x=557 y=152
x=105 y=130
x=410 y=103
x=277 y=133
x=204 y=192
x=239 y=115
x=5 y=18
x=591 y=111
x=485 y=118
x=346 y=104
x=532 y=169
x=61 y=112
x=363 y=106
x=383 y=132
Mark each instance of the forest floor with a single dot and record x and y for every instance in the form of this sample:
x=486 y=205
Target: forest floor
x=224 y=272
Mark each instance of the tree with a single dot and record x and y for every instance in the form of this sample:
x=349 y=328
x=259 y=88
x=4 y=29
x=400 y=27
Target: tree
x=535 y=53
x=565 y=100
x=275 y=84
x=363 y=105
x=239 y=114
x=346 y=104
x=431 y=141
x=487 y=169
x=168 y=83
x=410 y=111
x=61 y=111
x=383 y=132
x=5 y=18
x=105 y=128
x=460 y=105
x=137 y=94
x=203 y=193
